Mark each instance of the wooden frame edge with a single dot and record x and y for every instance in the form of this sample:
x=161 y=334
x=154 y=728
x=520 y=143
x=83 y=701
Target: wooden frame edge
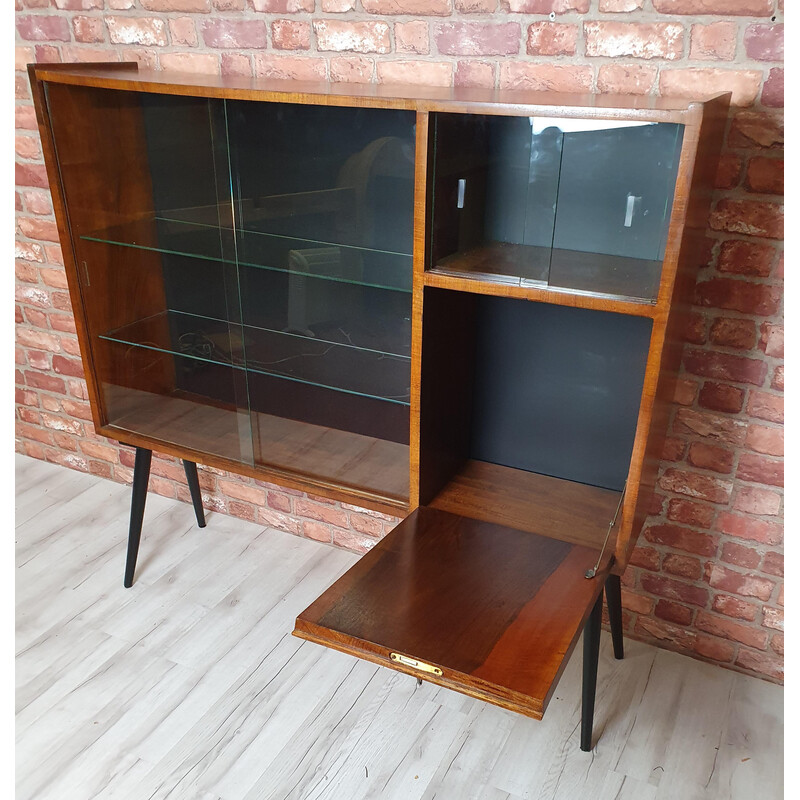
x=686 y=228
x=65 y=239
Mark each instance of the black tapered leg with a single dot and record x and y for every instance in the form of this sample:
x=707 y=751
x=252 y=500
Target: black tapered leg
x=614 y=603
x=591 y=654
x=141 y=474
x=190 y=468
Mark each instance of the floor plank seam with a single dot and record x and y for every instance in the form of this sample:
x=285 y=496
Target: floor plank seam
x=189 y=685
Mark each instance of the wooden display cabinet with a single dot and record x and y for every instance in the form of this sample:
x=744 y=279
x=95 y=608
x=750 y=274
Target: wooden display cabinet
x=463 y=306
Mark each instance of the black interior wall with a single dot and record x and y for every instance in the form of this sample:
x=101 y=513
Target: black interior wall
x=557 y=389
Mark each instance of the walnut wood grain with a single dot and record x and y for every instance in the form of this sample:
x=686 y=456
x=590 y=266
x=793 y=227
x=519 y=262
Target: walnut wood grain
x=519 y=102
x=422 y=170
x=628 y=279
x=687 y=234
x=449 y=330
x=101 y=151
x=552 y=507
x=496 y=609
x=60 y=211
x=540 y=294
x=690 y=208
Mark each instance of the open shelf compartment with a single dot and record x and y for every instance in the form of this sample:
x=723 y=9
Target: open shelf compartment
x=483 y=588
x=519 y=395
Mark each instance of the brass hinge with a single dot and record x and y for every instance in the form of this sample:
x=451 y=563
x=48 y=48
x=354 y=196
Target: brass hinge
x=414 y=664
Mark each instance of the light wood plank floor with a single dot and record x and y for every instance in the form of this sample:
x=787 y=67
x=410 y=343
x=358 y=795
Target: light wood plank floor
x=189 y=685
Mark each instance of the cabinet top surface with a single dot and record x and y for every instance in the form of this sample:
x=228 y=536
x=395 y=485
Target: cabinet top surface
x=126 y=76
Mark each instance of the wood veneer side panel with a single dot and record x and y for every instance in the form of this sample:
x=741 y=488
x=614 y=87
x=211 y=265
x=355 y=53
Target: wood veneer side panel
x=648 y=424
x=65 y=238
x=699 y=158
x=421 y=196
x=448 y=346
x=102 y=159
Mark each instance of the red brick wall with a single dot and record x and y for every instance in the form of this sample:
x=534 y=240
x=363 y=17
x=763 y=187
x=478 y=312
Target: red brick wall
x=707 y=577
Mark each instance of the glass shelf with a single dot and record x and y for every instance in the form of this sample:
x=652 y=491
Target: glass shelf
x=194 y=217
x=297 y=257
x=347 y=365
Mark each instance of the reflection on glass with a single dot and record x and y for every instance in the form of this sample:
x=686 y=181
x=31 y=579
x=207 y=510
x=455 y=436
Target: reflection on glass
x=323 y=202
x=172 y=235
x=336 y=363
x=577 y=204
x=261 y=256
x=179 y=399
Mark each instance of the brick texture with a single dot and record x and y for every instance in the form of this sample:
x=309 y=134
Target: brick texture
x=706 y=578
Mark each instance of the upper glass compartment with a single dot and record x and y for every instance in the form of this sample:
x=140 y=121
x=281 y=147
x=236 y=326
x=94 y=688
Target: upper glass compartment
x=246 y=276
x=575 y=204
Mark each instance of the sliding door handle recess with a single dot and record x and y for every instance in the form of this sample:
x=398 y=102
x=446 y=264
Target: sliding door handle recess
x=462 y=186
x=630 y=207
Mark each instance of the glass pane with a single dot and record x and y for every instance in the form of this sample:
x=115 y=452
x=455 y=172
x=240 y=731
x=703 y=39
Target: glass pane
x=190 y=401
x=495 y=185
x=341 y=366
x=130 y=162
x=614 y=203
x=582 y=205
x=324 y=219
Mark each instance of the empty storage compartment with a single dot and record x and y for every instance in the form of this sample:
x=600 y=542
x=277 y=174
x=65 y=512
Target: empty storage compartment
x=577 y=204
x=534 y=417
